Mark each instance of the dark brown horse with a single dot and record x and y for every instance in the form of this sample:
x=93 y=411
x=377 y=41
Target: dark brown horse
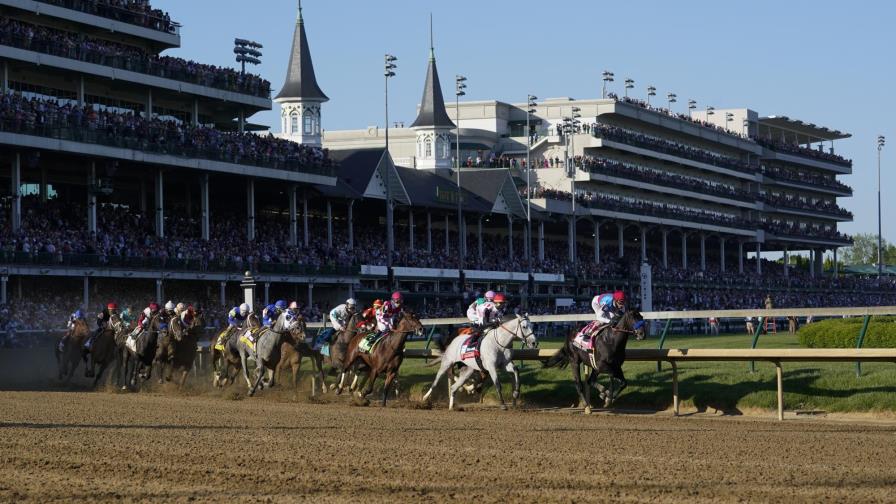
x=387 y=356
x=103 y=350
x=72 y=350
x=177 y=348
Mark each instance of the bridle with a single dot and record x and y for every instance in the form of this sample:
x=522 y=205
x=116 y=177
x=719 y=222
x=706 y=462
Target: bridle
x=518 y=333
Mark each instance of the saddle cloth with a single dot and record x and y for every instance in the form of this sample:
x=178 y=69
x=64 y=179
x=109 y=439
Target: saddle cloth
x=131 y=343
x=468 y=351
x=248 y=341
x=369 y=342
x=585 y=337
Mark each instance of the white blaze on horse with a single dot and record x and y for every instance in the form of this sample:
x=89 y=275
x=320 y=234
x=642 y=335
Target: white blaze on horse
x=495 y=353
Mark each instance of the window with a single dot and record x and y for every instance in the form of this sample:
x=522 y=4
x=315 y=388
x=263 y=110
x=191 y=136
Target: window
x=294 y=123
x=427 y=148
x=308 y=123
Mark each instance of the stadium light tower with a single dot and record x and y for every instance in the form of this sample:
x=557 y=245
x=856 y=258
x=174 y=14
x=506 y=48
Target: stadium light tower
x=692 y=104
x=389 y=72
x=247 y=51
x=728 y=118
x=530 y=109
x=710 y=111
x=459 y=86
x=880 y=256
x=746 y=127
x=670 y=99
x=607 y=77
x=651 y=91
x=629 y=84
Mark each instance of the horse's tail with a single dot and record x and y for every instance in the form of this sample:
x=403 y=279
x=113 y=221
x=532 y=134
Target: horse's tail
x=560 y=358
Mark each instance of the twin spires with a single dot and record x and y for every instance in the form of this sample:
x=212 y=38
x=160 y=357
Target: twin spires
x=432 y=105
x=301 y=83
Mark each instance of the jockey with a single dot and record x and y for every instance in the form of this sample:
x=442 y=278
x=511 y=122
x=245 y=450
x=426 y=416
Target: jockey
x=169 y=311
x=272 y=312
x=236 y=319
x=126 y=316
x=145 y=317
x=490 y=296
x=292 y=312
x=78 y=315
x=488 y=315
x=341 y=315
x=608 y=306
x=386 y=315
x=368 y=317
x=102 y=321
x=185 y=313
x=471 y=310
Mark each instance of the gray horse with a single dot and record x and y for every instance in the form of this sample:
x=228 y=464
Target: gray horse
x=265 y=353
x=494 y=353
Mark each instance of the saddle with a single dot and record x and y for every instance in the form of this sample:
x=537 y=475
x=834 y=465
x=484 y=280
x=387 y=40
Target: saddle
x=586 y=336
x=468 y=350
x=369 y=342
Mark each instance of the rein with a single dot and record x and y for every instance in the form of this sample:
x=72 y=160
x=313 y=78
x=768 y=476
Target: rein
x=514 y=333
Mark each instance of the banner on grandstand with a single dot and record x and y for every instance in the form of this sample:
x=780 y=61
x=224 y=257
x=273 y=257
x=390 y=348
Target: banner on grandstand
x=646 y=288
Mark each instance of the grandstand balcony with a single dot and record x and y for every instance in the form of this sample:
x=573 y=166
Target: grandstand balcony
x=833 y=187
x=838 y=214
x=796 y=142
x=155 y=27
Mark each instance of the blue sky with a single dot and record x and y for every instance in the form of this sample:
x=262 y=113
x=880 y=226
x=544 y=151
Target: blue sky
x=824 y=62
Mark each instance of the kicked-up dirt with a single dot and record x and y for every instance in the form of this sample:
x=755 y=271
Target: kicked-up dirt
x=220 y=447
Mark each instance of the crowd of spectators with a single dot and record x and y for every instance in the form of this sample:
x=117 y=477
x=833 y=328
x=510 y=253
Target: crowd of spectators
x=803 y=151
x=77 y=46
x=637 y=139
x=780 y=228
x=136 y=12
x=790 y=201
x=804 y=177
x=89 y=123
x=684 y=117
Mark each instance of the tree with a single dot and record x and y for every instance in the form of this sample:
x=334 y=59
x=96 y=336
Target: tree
x=864 y=251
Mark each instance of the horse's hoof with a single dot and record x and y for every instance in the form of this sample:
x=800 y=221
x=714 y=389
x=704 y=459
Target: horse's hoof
x=503 y=407
x=587 y=410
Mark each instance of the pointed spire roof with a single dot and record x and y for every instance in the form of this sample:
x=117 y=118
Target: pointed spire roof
x=300 y=79
x=432 y=105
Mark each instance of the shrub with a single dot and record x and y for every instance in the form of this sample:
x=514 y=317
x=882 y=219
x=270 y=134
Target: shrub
x=844 y=333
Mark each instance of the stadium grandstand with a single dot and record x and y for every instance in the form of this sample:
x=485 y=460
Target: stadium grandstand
x=137 y=176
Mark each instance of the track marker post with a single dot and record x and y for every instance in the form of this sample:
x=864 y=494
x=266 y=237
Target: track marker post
x=659 y=364
x=860 y=341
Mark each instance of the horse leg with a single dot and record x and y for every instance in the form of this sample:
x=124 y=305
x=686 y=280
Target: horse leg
x=183 y=378
x=99 y=374
x=510 y=368
x=259 y=374
x=442 y=369
x=577 y=377
x=497 y=381
x=465 y=375
x=389 y=377
x=320 y=371
x=245 y=368
x=620 y=377
x=340 y=383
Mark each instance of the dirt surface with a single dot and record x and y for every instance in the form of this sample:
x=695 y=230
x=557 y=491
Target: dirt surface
x=165 y=446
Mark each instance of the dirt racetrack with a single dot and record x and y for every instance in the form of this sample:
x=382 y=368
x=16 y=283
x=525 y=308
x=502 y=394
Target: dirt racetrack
x=154 y=447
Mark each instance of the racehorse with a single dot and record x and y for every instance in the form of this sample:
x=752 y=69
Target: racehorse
x=226 y=358
x=140 y=358
x=494 y=353
x=177 y=348
x=71 y=352
x=265 y=352
x=607 y=356
x=293 y=349
x=339 y=349
x=103 y=350
x=386 y=357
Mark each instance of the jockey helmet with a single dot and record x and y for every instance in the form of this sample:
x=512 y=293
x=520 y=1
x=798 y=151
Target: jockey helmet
x=244 y=309
x=111 y=306
x=351 y=302
x=169 y=306
x=377 y=303
x=180 y=307
x=78 y=314
x=397 y=297
x=619 y=296
x=293 y=306
x=280 y=304
x=153 y=307
x=490 y=296
x=499 y=298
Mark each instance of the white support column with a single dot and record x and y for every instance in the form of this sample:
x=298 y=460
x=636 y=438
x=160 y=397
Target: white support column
x=571 y=239
x=195 y=112
x=479 y=236
x=4 y=78
x=643 y=244
x=447 y=241
x=86 y=294
x=159 y=291
x=329 y=224
x=16 y=191
x=758 y=258
x=204 y=202
x=82 y=91
x=740 y=257
x=429 y=232
x=143 y=197
x=149 y=105
x=811 y=263
x=310 y=295
x=224 y=294
x=44 y=189
x=464 y=233
x=819 y=259
x=411 y=229
x=786 y=262
x=540 y=241
x=4 y=281
x=267 y=293
x=722 y=253
x=91 y=198
x=621 y=238
x=510 y=234
x=293 y=218
x=305 y=233
x=160 y=203
x=596 y=224
x=351 y=224
x=702 y=252
x=527 y=241
x=665 y=248
x=684 y=250
x=250 y=210
x=836 y=264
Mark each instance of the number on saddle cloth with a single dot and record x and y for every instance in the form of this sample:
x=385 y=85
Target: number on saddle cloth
x=585 y=337
x=468 y=350
x=368 y=342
